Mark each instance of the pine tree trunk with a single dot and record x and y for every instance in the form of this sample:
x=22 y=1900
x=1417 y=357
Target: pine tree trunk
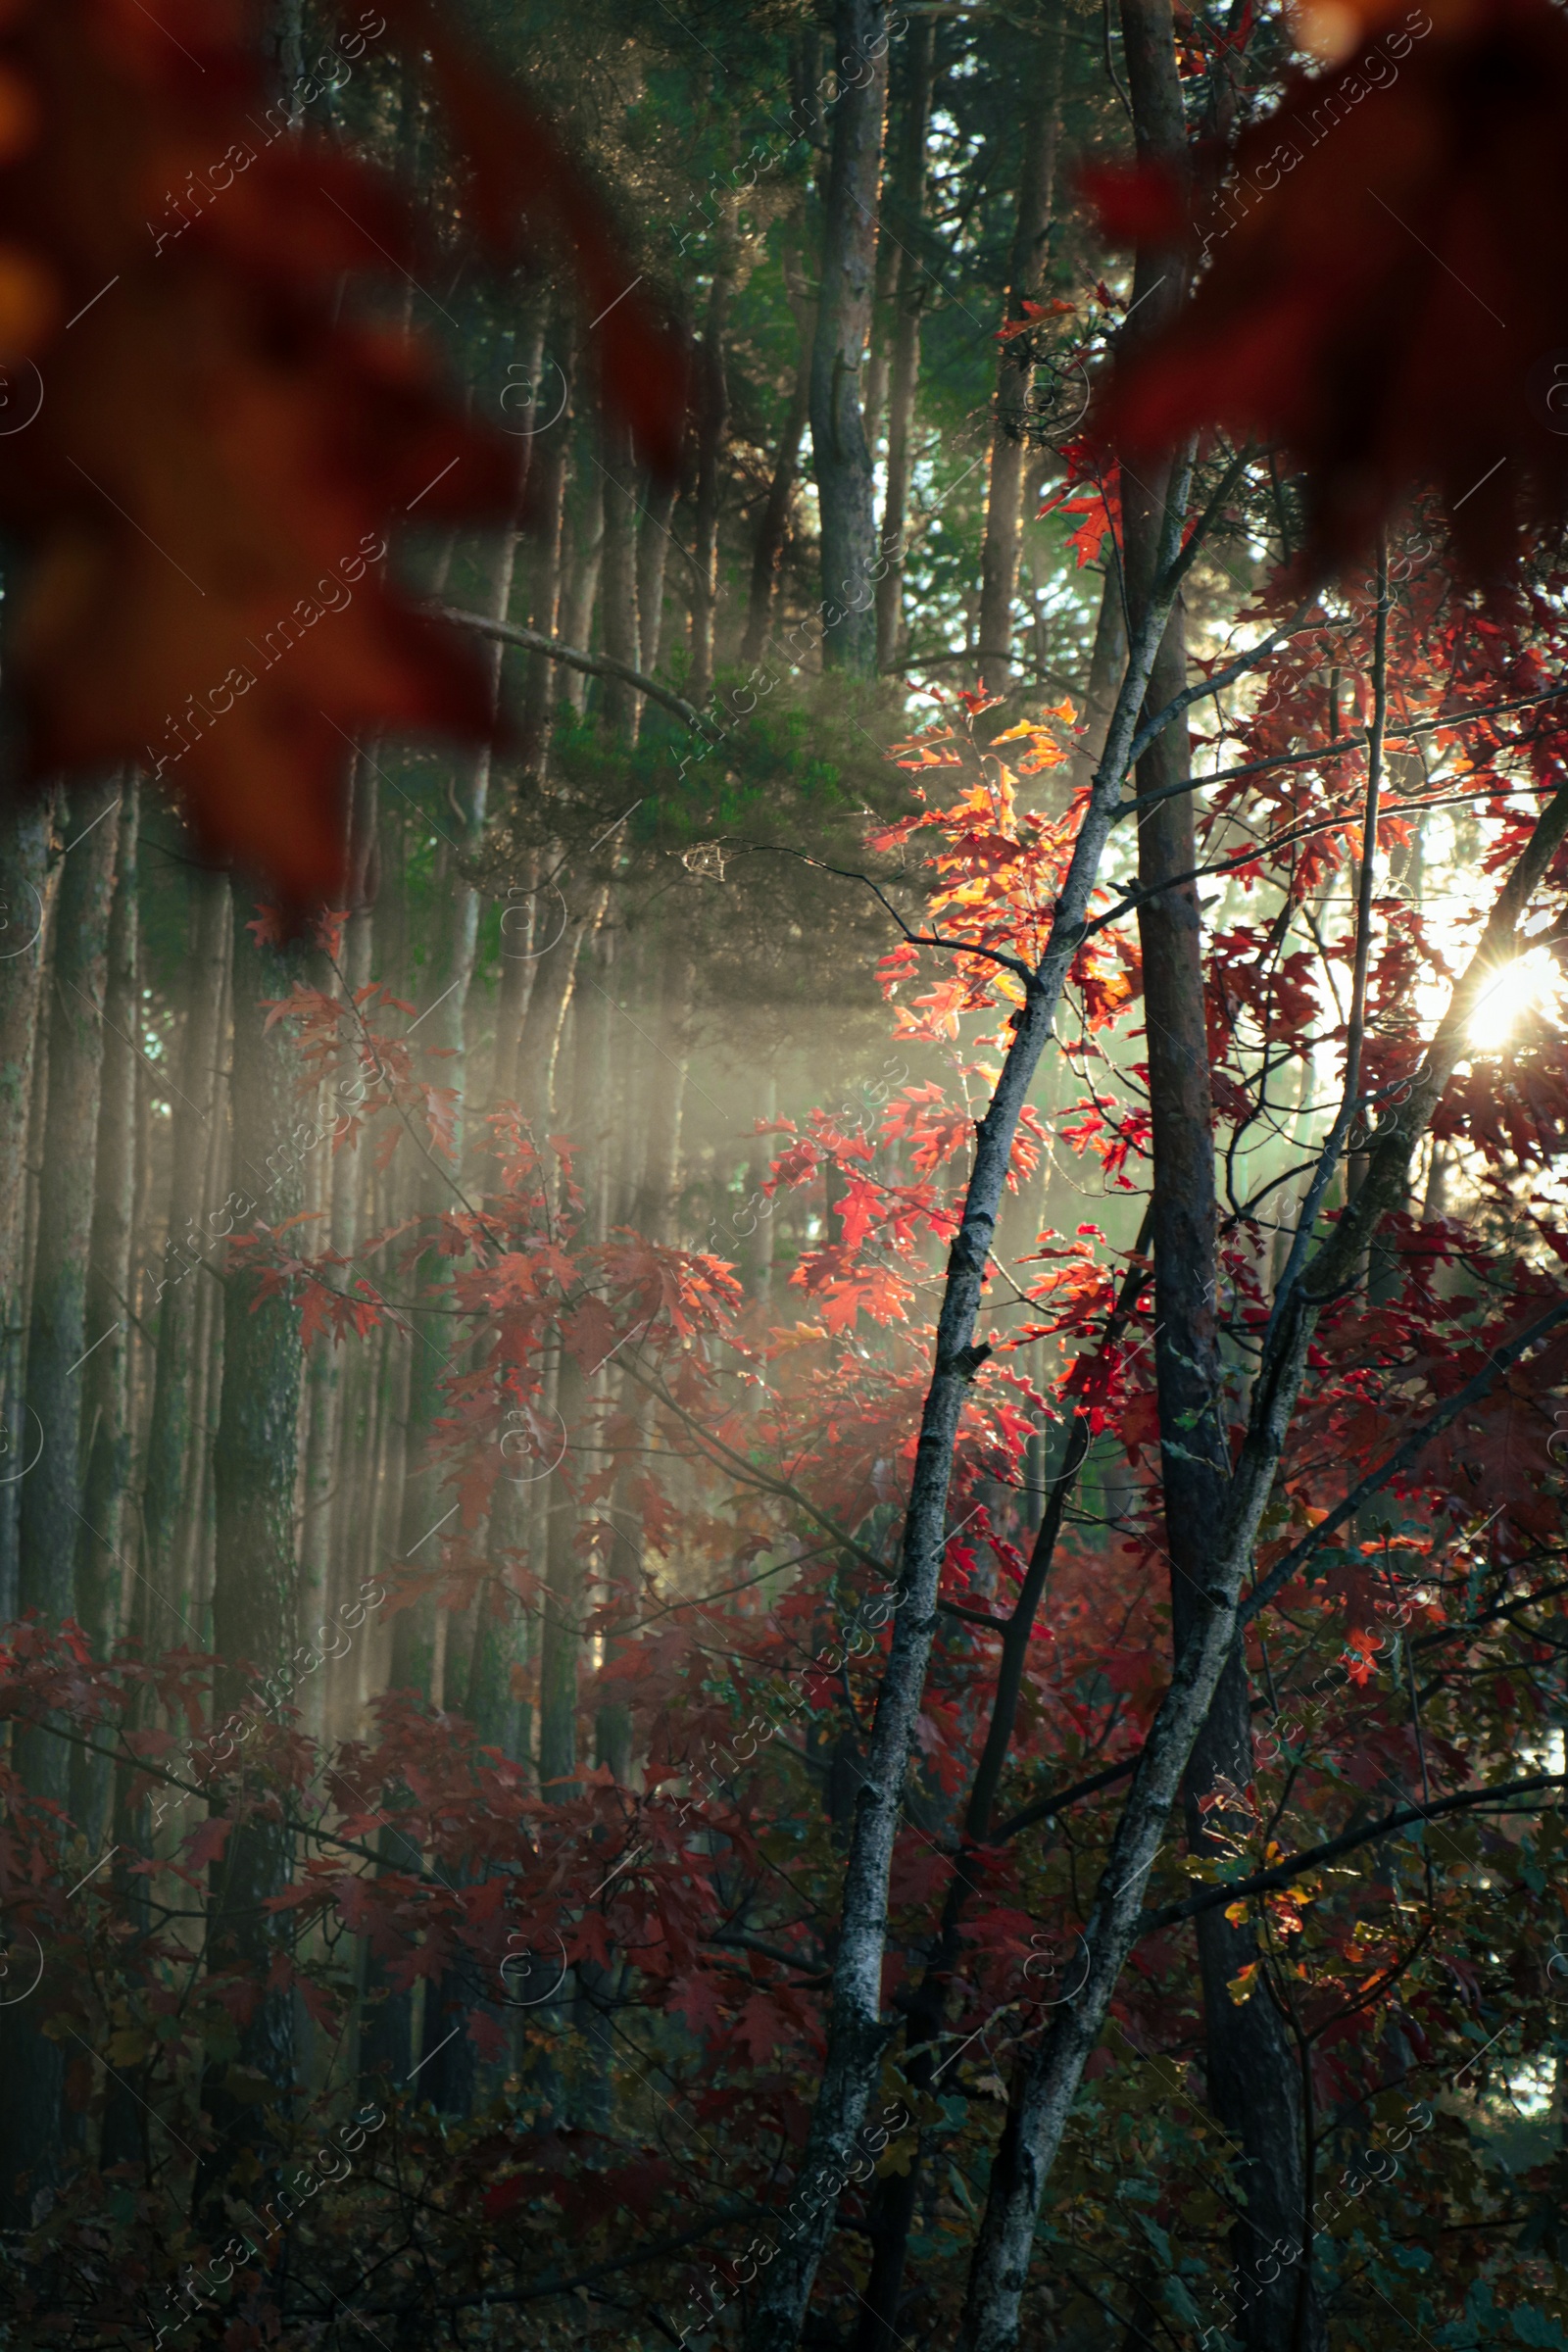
x=774 y=529
x=999 y=561
x=551 y=463
x=583 y=561
x=623 y=703
x=652 y=560
x=712 y=425
x=57 y=1338
x=194 y=1111
x=434 y=1181
x=906 y=203
x=255 y=1588
x=27 y=890
x=841 y=455
x=196 y=1540
x=106 y=1402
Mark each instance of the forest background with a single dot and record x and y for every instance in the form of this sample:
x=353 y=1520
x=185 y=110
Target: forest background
x=779 y=1538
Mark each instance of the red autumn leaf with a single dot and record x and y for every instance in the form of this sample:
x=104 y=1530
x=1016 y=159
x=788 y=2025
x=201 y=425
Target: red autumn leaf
x=1134 y=201
x=504 y=2195
x=208 y=1841
x=216 y=446
x=1388 y=289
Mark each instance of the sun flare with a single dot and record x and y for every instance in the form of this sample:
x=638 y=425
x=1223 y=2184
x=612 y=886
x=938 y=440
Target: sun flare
x=1531 y=985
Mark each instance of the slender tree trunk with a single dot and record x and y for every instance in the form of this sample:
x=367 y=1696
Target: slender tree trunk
x=856 y=2034
x=196 y=1540
x=879 y=352
x=256 y=1589
x=1010 y=454
x=194 y=1109
x=57 y=1339
x=907 y=205
x=32 y=2135
x=774 y=529
x=434 y=1179
x=623 y=639
x=1253 y=2075
x=582 y=564
x=1107 y=659
x=712 y=425
x=27 y=888
x=654 y=542
x=548 y=1009
x=839 y=454
x=552 y=465
x=106 y=1402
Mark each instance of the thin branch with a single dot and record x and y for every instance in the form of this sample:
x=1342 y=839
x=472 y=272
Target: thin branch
x=1404 y=1454
x=1197 y=694
x=919 y=939
x=1295 y=1866
x=593 y=665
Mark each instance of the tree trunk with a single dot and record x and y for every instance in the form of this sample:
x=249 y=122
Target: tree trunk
x=622 y=640
x=106 y=1436
x=841 y=456
x=435 y=1180
x=255 y=1588
x=551 y=463
x=194 y=1109
x=32 y=2138
x=57 y=1339
x=906 y=205
x=712 y=425
x=856 y=2033
x=548 y=1009
x=585 y=536
x=1252 y=2075
x=999 y=561
x=27 y=888
x=653 y=558
x=772 y=531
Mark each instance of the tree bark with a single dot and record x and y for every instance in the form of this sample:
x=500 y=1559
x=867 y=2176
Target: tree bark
x=194 y=1107
x=434 y=1179
x=1252 y=2075
x=106 y=1402
x=32 y=2137
x=773 y=530
x=622 y=640
x=712 y=425
x=841 y=455
x=27 y=888
x=906 y=205
x=255 y=1588
x=1009 y=454
x=552 y=465
x=584 y=531
x=653 y=541
x=51 y=1495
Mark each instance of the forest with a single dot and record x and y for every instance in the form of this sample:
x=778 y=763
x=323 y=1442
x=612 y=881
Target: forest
x=783 y=1247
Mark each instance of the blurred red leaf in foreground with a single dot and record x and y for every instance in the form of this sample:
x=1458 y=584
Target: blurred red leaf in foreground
x=202 y=449
x=1388 y=289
